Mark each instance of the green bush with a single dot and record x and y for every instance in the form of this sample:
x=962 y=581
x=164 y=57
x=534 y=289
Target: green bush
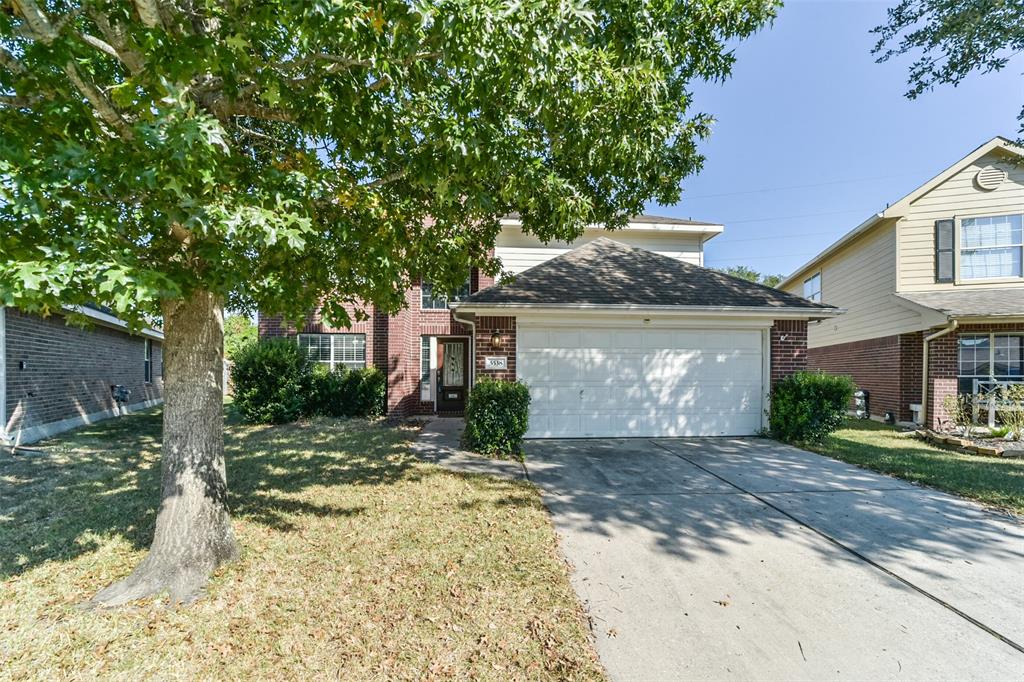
x=275 y=383
x=807 y=406
x=361 y=393
x=497 y=417
x=270 y=381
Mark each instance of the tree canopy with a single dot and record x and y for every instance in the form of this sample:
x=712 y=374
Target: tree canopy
x=282 y=154
x=952 y=38
x=751 y=275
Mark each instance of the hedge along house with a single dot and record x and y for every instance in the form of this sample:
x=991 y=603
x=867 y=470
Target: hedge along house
x=614 y=338
x=55 y=376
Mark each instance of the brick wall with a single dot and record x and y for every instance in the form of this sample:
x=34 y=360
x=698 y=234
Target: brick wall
x=788 y=348
x=506 y=330
x=888 y=367
x=69 y=370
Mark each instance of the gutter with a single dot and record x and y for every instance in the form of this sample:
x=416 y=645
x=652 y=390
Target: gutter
x=472 y=338
x=924 y=368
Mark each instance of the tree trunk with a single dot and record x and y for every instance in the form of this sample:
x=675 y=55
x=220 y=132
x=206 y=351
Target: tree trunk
x=193 y=529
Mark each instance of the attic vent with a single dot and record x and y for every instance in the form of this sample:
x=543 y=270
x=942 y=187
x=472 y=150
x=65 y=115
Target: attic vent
x=990 y=177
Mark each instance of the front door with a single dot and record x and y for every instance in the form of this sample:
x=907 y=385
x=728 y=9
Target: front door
x=452 y=375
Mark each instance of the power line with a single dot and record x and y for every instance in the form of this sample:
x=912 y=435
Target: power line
x=789 y=217
x=746 y=258
x=785 y=187
x=726 y=240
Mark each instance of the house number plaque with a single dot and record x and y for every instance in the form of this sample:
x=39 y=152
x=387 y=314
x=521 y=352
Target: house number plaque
x=496 y=362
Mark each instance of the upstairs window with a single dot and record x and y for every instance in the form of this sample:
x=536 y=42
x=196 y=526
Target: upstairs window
x=440 y=302
x=335 y=350
x=812 y=288
x=991 y=247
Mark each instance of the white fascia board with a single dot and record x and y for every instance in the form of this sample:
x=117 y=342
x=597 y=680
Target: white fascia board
x=835 y=246
x=637 y=310
x=710 y=230
x=108 y=320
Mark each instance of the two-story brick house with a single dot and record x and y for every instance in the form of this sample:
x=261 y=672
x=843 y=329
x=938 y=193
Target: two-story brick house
x=628 y=336
x=933 y=287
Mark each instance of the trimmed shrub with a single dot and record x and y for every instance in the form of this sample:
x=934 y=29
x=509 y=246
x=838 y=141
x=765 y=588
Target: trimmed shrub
x=497 y=417
x=807 y=406
x=362 y=393
x=270 y=381
x=322 y=391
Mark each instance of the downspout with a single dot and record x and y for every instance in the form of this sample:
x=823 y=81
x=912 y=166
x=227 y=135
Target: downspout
x=472 y=345
x=924 y=368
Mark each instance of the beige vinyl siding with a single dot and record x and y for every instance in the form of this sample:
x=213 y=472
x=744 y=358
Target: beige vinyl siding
x=519 y=251
x=956 y=198
x=861 y=278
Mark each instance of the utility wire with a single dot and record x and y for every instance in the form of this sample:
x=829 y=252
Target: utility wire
x=785 y=187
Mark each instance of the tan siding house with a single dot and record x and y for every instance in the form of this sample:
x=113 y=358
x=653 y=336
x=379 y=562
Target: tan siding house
x=933 y=284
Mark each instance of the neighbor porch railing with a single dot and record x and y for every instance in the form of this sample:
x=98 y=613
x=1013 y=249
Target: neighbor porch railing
x=987 y=396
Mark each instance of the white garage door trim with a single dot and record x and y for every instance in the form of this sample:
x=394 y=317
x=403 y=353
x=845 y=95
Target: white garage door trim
x=593 y=376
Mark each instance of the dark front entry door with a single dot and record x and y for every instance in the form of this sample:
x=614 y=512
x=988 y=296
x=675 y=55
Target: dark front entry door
x=452 y=375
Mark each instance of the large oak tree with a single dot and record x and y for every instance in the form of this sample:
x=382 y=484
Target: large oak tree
x=169 y=157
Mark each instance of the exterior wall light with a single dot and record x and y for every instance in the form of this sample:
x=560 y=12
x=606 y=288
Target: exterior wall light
x=496 y=339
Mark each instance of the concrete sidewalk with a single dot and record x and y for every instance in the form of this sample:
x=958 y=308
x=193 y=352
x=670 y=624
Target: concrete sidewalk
x=440 y=442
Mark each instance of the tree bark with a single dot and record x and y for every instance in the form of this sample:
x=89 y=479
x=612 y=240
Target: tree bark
x=193 y=529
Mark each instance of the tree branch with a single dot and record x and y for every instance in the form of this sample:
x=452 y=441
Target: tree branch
x=149 y=13
x=387 y=179
x=36 y=20
x=10 y=62
x=116 y=37
x=100 y=104
x=100 y=45
x=15 y=102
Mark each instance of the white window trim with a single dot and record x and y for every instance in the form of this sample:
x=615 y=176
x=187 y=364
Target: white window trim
x=991 y=356
x=333 y=363
x=447 y=302
x=958 y=279
x=817 y=276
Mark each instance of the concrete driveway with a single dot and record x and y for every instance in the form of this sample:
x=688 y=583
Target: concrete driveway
x=746 y=559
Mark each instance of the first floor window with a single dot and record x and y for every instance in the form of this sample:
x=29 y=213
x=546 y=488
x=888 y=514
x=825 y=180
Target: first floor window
x=812 y=288
x=335 y=350
x=147 y=365
x=989 y=358
x=992 y=246
x=431 y=301
x=425 y=368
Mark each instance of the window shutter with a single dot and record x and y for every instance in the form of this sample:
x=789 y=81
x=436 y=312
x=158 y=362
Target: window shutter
x=944 y=251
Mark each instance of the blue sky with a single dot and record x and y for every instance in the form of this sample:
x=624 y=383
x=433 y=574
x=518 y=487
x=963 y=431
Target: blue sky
x=810 y=116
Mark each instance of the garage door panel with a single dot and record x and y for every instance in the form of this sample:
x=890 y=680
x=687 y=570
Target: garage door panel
x=593 y=382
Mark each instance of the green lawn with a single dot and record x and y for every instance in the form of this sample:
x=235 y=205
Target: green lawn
x=358 y=562
x=992 y=480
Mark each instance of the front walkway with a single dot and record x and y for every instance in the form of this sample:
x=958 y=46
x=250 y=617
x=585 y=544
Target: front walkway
x=440 y=442
x=708 y=559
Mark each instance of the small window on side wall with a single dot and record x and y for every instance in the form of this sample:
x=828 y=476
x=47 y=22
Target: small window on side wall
x=148 y=362
x=431 y=301
x=812 y=288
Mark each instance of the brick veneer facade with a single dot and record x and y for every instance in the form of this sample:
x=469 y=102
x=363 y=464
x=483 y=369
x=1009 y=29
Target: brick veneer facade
x=888 y=367
x=788 y=348
x=56 y=372
x=393 y=345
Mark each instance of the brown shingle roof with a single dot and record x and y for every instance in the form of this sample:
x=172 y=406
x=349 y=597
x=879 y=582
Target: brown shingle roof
x=608 y=273
x=978 y=303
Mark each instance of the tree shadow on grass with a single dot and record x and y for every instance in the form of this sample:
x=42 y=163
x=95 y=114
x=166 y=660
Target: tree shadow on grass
x=103 y=480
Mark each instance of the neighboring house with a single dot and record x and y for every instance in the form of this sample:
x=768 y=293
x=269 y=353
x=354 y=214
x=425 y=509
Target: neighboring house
x=55 y=376
x=615 y=338
x=933 y=287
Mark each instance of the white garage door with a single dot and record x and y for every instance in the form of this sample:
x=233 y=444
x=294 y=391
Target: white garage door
x=652 y=382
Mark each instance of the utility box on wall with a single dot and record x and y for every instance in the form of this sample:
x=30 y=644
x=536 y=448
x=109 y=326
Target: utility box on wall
x=861 y=404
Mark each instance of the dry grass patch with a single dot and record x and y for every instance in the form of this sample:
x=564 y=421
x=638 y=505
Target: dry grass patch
x=358 y=563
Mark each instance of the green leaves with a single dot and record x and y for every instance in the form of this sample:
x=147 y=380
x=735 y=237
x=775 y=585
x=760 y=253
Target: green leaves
x=288 y=154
